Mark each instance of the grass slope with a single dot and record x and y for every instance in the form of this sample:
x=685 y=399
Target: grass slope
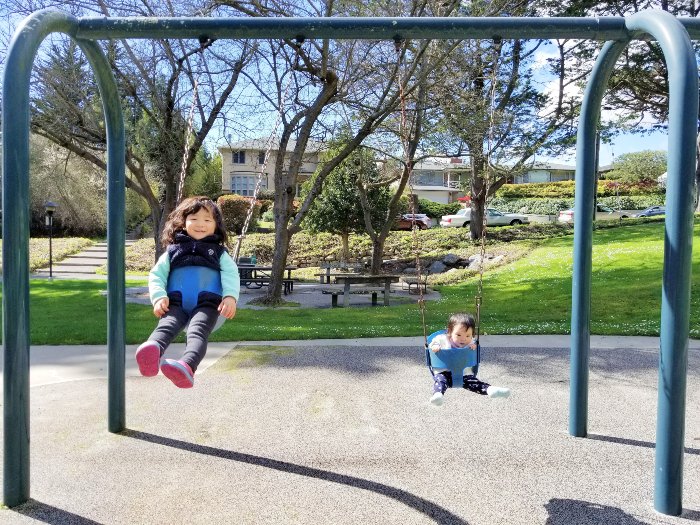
x=531 y=295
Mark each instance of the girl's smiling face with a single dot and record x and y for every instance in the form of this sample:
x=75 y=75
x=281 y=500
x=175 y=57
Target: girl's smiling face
x=200 y=224
x=461 y=335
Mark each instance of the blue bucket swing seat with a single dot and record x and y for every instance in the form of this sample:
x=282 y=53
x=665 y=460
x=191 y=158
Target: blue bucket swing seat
x=190 y=281
x=453 y=359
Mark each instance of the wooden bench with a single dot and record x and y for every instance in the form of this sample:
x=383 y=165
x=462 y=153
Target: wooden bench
x=344 y=267
x=335 y=292
x=415 y=285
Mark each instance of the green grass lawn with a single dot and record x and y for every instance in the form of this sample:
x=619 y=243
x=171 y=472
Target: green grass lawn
x=531 y=295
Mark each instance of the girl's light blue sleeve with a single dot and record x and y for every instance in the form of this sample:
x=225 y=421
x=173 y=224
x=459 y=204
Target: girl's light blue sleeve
x=158 y=278
x=230 y=280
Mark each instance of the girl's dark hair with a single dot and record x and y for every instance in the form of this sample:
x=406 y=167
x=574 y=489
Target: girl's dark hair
x=190 y=205
x=460 y=319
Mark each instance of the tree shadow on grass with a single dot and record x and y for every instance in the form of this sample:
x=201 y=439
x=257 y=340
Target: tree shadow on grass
x=428 y=508
x=48 y=514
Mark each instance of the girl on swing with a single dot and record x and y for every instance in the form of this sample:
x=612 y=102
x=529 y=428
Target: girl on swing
x=460 y=334
x=194 y=235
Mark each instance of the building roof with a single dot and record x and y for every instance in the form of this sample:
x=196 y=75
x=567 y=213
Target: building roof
x=312 y=146
x=551 y=166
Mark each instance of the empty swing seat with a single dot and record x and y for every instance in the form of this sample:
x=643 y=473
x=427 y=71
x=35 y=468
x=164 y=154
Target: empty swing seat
x=190 y=281
x=455 y=360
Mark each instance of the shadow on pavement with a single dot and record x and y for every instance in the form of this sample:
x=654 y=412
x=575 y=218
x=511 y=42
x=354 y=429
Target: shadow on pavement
x=568 y=511
x=53 y=515
x=636 y=443
x=428 y=508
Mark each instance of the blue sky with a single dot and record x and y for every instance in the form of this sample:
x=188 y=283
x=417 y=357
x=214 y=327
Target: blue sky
x=629 y=143
x=625 y=143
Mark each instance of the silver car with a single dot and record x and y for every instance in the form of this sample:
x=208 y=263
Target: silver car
x=493 y=218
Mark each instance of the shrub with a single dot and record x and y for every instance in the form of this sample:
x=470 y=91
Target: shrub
x=265 y=205
x=234 y=209
x=437 y=210
x=533 y=206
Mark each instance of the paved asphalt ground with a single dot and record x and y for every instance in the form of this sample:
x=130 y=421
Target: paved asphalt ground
x=341 y=432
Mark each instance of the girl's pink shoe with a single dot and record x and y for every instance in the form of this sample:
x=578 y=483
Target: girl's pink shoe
x=178 y=372
x=148 y=358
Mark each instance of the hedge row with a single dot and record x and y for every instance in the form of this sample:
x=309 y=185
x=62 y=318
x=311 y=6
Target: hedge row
x=565 y=189
x=553 y=206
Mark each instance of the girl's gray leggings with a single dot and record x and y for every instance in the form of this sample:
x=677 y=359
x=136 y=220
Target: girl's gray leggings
x=202 y=323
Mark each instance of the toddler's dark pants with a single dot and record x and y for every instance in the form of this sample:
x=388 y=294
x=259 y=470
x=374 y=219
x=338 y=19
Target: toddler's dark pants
x=202 y=323
x=443 y=380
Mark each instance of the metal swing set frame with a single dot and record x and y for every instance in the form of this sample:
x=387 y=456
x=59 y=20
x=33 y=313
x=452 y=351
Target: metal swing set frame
x=674 y=36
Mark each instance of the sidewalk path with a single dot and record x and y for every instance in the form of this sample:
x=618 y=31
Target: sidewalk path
x=82 y=265
x=340 y=432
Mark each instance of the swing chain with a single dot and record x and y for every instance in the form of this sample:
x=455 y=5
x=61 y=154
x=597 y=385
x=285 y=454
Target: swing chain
x=204 y=42
x=405 y=143
x=487 y=187
x=268 y=150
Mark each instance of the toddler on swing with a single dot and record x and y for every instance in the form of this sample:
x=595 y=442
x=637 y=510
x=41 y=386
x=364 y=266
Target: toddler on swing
x=460 y=334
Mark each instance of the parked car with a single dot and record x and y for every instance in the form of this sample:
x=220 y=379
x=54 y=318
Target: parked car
x=650 y=212
x=603 y=213
x=405 y=221
x=493 y=218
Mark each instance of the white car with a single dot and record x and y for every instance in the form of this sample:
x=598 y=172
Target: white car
x=603 y=213
x=493 y=218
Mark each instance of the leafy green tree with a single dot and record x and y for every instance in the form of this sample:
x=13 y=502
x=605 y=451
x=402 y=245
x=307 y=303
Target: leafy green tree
x=638 y=86
x=338 y=209
x=206 y=175
x=639 y=167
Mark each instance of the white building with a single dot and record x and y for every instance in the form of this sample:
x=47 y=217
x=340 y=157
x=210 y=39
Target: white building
x=439 y=180
x=551 y=172
x=243 y=161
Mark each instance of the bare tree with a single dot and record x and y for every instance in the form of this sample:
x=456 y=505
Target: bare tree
x=355 y=82
x=156 y=79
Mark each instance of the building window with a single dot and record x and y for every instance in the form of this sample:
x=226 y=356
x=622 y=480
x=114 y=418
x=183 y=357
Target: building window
x=238 y=157
x=245 y=184
x=261 y=157
x=428 y=178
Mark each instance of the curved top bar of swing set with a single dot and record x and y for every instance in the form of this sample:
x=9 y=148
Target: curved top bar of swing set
x=380 y=28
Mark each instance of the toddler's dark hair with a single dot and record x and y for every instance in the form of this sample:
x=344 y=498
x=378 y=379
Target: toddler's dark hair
x=460 y=318
x=190 y=205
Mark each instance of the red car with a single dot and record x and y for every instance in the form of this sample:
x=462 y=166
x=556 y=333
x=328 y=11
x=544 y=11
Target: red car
x=405 y=221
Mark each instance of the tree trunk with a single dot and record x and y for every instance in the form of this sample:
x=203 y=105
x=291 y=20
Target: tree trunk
x=344 y=247
x=478 y=201
x=378 y=252
x=279 y=261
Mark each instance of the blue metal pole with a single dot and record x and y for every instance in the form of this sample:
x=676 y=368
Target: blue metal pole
x=116 y=302
x=15 y=247
x=678 y=246
x=376 y=28
x=586 y=165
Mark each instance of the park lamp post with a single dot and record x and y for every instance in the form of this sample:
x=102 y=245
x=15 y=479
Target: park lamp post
x=50 y=207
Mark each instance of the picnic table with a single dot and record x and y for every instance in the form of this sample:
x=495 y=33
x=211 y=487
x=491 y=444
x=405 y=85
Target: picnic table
x=379 y=284
x=327 y=275
x=257 y=276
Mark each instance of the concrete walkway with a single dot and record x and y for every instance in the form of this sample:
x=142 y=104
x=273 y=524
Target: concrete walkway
x=82 y=265
x=341 y=432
